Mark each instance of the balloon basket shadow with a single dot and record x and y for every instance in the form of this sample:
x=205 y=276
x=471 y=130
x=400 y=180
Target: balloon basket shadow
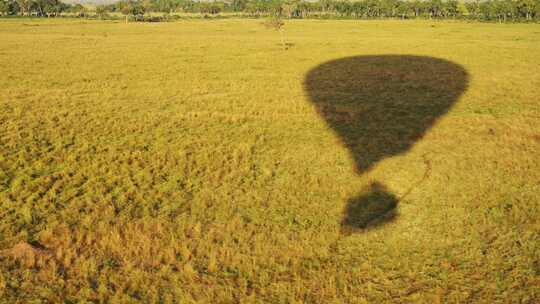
x=373 y=207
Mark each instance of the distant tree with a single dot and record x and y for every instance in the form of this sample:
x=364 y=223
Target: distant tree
x=451 y=8
x=526 y=8
x=24 y=6
x=238 y=5
x=49 y=7
x=78 y=10
x=416 y=7
x=435 y=8
x=473 y=9
x=275 y=22
x=101 y=11
x=126 y=10
x=486 y=10
x=290 y=8
x=374 y=8
x=40 y=7
x=187 y=6
x=388 y=7
x=148 y=5
x=501 y=9
x=4 y=8
x=132 y=8
x=462 y=9
x=359 y=9
x=212 y=8
x=327 y=5
x=13 y=7
x=403 y=9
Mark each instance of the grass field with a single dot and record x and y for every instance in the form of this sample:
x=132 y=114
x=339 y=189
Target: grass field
x=199 y=162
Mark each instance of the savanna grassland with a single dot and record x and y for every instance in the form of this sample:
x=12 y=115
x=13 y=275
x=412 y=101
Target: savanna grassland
x=192 y=162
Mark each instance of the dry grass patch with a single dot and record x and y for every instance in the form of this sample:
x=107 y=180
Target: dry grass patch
x=186 y=162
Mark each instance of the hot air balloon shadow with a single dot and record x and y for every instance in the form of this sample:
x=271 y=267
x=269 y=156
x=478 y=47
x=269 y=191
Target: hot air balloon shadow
x=380 y=106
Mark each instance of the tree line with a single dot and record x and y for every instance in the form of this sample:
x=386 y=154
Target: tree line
x=485 y=10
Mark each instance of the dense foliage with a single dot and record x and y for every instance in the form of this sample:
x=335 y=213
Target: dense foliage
x=36 y=7
x=489 y=10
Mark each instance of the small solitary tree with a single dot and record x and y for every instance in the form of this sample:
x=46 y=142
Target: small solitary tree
x=275 y=22
x=126 y=10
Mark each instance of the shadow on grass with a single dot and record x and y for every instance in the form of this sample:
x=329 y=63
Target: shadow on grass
x=380 y=106
x=375 y=206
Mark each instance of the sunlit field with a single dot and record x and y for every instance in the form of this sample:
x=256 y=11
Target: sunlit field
x=201 y=162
